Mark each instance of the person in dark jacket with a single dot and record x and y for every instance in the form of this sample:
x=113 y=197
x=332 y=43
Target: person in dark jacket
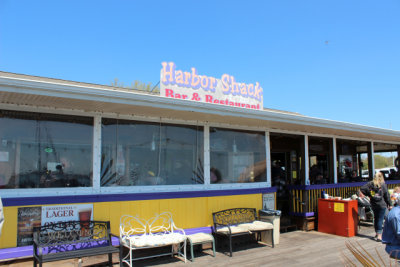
x=379 y=197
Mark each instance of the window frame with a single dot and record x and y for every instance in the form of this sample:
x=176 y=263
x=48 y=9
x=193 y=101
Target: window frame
x=37 y=116
x=96 y=189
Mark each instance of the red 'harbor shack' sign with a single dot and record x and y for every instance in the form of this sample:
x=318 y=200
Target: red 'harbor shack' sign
x=226 y=91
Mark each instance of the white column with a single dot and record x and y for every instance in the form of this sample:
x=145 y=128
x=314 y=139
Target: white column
x=268 y=158
x=306 y=161
x=96 y=152
x=207 y=155
x=335 y=178
x=372 y=159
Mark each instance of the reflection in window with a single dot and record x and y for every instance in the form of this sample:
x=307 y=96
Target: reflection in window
x=237 y=156
x=320 y=151
x=145 y=153
x=286 y=162
x=45 y=150
x=386 y=160
x=350 y=156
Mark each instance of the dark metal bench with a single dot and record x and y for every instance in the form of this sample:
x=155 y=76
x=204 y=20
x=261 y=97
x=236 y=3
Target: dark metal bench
x=237 y=222
x=72 y=239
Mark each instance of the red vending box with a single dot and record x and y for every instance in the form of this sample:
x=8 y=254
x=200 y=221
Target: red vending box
x=338 y=217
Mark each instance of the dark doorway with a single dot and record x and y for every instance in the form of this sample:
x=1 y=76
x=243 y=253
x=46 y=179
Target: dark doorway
x=287 y=154
x=320 y=152
x=279 y=179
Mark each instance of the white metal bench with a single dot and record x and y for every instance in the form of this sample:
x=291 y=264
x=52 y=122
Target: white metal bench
x=158 y=231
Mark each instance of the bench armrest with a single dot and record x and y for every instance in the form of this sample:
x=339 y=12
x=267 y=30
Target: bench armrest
x=179 y=230
x=35 y=247
x=221 y=224
x=114 y=235
x=218 y=225
x=266 y=219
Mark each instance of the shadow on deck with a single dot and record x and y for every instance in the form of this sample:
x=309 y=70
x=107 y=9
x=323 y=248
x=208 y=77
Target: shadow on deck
x=296 y=248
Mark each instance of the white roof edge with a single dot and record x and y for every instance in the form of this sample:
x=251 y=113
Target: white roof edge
x=94 y=93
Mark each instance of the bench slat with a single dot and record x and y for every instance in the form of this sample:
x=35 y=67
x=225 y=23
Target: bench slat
x=78 y=253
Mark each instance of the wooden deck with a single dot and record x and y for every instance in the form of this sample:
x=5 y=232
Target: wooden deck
x=296 y=248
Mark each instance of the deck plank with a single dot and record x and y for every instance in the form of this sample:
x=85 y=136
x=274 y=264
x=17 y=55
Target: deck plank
x=296 y=248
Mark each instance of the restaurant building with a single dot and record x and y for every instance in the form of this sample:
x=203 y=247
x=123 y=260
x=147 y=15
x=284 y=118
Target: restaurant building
x=71 y=149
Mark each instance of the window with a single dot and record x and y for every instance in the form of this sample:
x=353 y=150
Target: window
x=40 y=150
x=350 y=157
x=320 y=160
x=287 y=157
x=143 y=153
x=237 y=156
x=386 y=160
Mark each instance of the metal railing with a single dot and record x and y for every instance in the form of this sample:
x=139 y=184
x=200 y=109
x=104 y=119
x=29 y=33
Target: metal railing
x=304 y=198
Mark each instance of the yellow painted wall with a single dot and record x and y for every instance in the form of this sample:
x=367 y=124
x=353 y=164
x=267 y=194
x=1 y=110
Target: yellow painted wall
x=9 y=232
x=187 y=212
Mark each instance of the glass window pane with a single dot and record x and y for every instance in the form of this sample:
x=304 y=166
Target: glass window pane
x=350 y=157
x=143 y=153
x=386 y=160
x=287 y=154
x=45 y=150
x=320 y=160
x=237 y=156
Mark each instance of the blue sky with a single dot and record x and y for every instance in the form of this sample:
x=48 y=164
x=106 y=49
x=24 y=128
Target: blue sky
x=337 y=60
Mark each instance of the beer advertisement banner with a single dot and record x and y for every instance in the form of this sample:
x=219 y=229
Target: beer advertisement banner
x=27 y=219
x=63 y=213
x=30 y=217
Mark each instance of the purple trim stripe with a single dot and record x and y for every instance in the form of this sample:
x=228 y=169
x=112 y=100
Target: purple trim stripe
x=302 y=214
x=325 y=186
x=392 y=182
x=21 y=201
x=192 y=231
x=14 y=253
x=27 y=251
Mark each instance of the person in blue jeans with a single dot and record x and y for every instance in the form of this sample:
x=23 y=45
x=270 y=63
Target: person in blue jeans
x=391 y=232
x=379 y=197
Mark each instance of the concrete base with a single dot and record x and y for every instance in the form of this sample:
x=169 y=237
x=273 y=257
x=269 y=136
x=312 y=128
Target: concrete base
x=266 y=236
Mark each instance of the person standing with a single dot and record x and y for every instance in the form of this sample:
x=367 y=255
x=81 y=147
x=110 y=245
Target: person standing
x=391 y=231
x=379 y=197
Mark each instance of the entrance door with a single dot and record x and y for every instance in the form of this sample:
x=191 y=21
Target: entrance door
x=287 y=160
x=319 y=169
x=279 y=178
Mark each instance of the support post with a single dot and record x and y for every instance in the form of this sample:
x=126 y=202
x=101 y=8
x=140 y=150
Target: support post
x=371 y=161
x=306 y=161
x=335 y=167
x=268 y=159
x=207 y=154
